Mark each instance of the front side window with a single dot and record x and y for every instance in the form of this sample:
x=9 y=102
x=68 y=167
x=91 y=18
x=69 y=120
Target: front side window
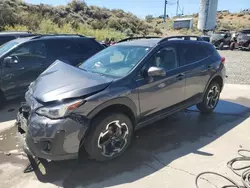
x=165 y=58
x=116 y=60
x=7 y=46
x=30 y=51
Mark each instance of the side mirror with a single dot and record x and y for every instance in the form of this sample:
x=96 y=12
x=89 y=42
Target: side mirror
x=10 y=60
x=156 y=71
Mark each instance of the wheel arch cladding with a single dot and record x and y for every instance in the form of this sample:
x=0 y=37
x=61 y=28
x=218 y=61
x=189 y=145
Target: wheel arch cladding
x=217 y=79
x=121 y=104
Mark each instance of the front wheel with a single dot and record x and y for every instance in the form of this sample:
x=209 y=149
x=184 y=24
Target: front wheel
x=211 y=98
x=110 y=137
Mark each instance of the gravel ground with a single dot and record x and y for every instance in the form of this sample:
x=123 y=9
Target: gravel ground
x=238 y=66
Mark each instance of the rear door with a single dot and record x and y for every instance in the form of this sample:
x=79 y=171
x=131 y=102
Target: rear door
x=197 y=65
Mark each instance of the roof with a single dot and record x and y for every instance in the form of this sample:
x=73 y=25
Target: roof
x=23 y=39
x=183 y=19
x=141 y=42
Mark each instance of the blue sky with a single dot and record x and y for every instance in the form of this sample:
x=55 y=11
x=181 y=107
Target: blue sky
x=154 y=7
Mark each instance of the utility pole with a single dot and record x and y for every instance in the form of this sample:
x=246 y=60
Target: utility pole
x=165 y=9
x=177 y=8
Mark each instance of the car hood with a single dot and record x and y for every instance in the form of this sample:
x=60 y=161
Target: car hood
x=62 y=81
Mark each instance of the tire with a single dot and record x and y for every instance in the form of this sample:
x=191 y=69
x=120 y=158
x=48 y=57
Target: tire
x=205 y=106
x=221 y=45
x=103 y=127
x=232 y=46
x=1 y=99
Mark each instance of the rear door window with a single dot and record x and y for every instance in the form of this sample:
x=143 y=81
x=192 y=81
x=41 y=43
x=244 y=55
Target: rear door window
x=61 y=48
x=192 y=53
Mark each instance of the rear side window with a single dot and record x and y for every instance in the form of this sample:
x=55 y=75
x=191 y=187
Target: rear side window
x=192 y=53
x=6 y=39
x=62 y=48
x=73 y=47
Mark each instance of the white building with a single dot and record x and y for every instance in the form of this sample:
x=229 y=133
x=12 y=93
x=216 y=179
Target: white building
x=181 y=23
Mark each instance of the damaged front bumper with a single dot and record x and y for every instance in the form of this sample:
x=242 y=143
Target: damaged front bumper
x=50 y=139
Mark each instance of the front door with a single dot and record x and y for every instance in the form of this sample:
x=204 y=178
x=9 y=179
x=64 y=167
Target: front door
x=160 y=92
x=29 y=64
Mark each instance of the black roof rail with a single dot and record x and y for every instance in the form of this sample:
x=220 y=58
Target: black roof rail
x=184 y=37
x=135 y=38
x=51 y=35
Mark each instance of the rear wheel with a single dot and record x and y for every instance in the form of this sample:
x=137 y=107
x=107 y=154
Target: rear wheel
x=110 y=137
x=211 y=98
x=221 y=45
x=232 y=46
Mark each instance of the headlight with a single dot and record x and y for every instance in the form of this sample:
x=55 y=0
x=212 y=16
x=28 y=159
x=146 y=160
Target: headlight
x=60 y=110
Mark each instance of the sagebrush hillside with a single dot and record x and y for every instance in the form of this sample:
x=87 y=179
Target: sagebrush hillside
x=75 y=17
x=78 y=17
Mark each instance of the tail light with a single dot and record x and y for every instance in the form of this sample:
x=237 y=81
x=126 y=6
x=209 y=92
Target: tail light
x=223 y=60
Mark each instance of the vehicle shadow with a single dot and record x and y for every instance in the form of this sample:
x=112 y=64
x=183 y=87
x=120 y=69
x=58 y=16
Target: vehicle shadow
x=9 y=111
x=154 y=147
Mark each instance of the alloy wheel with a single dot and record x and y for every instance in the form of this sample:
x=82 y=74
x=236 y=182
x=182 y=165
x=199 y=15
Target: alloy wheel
x=113 y=139
x=213 y=97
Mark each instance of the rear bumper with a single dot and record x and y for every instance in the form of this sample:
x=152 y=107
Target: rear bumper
x=50 y=139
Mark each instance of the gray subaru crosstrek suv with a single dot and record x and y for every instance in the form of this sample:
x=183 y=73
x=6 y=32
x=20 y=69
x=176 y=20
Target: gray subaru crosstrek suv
x=98 y=105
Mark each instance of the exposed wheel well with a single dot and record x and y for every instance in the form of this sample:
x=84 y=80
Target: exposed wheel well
x=118 y=108
x=218 y=80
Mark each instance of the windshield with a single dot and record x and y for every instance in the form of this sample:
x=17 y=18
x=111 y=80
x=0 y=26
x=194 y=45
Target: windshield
x=115 y=61
x=218 y=35
x=7 y=46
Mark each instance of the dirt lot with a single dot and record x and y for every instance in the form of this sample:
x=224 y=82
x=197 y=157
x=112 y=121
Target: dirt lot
x=238 y=66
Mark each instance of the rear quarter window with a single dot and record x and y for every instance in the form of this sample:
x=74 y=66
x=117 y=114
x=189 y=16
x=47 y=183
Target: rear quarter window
x=210 y=50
